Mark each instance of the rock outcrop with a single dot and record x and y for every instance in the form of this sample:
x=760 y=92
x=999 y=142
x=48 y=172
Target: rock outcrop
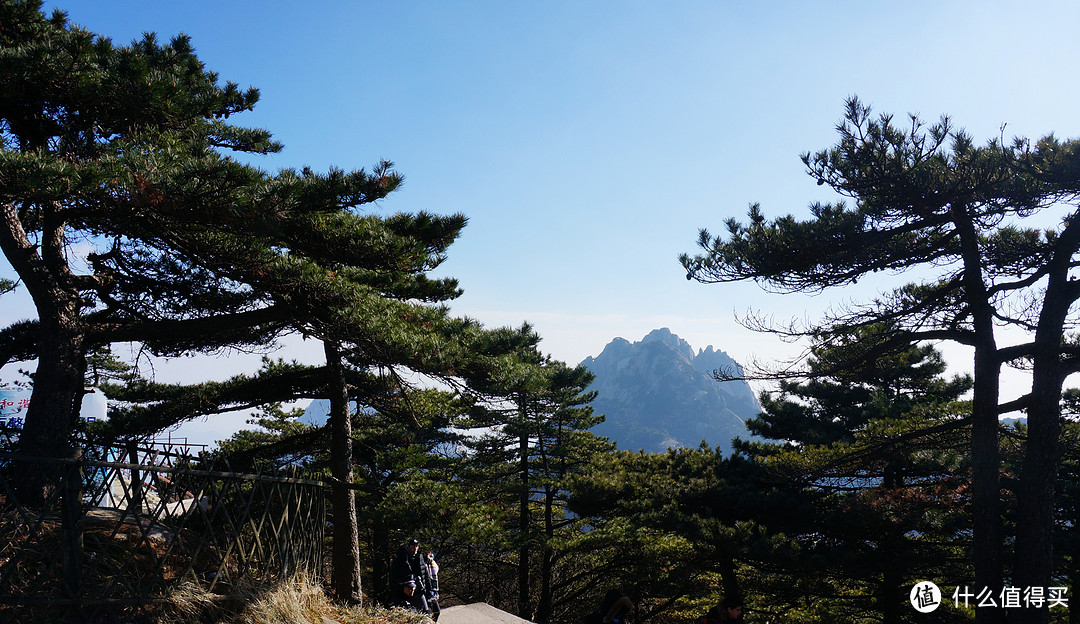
x=659 y=393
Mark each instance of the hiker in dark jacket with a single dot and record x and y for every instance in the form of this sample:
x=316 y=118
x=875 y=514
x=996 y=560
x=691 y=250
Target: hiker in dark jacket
x=408 y=564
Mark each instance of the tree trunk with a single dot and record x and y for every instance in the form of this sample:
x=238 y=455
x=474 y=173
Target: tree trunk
x=985 y=454
x=523 y=519
x=1043 y=449
x=346 y=538
x=58 y=380
x=986 y=495
x=729 y=579
x=1073 y=580
x=891 y=594
x=1033 y=566
x=53 y=410
x=545 y=607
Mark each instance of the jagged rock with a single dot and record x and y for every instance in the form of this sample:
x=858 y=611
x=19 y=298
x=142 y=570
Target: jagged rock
x=316 y=413
x=658 y=394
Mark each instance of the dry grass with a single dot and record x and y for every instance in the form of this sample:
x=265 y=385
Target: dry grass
x=378 y=615
x=298 y=601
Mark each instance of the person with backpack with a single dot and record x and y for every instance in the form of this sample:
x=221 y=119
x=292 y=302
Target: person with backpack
x=408 y=566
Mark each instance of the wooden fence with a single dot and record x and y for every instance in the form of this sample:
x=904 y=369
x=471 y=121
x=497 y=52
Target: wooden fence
x=122 y=528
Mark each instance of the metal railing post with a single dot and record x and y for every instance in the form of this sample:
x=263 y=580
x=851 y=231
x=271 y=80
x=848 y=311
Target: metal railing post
x=71 y=533
x=136 y=502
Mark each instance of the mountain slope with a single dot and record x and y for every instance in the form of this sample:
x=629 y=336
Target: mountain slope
x=658 y=394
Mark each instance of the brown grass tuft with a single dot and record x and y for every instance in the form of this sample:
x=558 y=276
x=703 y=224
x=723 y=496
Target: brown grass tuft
x=298 y=601
x=378 y=615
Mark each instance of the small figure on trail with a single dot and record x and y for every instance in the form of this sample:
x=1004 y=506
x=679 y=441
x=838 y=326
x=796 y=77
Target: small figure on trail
x=433 y=588
x=407 y=565
x=613 y=609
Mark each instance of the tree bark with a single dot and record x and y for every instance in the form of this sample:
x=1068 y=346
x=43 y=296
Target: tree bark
x=58 y=380
x=1033 y=566
x=986 y=488
x=729 y=579
x=545 y=606
x=524 y=580
x=1043 y=449
x=985 y=454
x=346 y=536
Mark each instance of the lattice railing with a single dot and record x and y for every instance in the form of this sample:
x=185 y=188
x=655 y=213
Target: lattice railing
x=110 y=531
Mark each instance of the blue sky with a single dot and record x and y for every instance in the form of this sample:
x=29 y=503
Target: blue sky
x=588 y=142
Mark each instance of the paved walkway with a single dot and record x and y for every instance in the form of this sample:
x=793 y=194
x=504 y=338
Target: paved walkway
x=478 y=613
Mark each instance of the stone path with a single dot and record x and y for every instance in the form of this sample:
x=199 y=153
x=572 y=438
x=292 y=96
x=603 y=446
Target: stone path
x=478 y=613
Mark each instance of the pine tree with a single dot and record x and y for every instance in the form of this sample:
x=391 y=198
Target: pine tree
x=538 y=419
x=839 y=399
x=880 y=454
x=88 y=131
x=127 y=150
x=406 y=469
x=929 y=198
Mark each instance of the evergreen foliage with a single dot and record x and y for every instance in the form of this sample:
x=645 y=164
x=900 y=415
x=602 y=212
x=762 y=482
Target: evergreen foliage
x=881 y=455
x=130 y=214
x=95 y=140
x=537 y=438
x=928 y=198
x=861 y=493
x=126 y=152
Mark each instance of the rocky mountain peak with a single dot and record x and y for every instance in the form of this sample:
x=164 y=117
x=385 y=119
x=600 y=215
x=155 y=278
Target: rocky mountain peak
x=666 y=337
x=659 y=393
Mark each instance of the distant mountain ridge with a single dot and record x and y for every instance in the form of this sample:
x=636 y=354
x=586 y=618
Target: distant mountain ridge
x=658 y=394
